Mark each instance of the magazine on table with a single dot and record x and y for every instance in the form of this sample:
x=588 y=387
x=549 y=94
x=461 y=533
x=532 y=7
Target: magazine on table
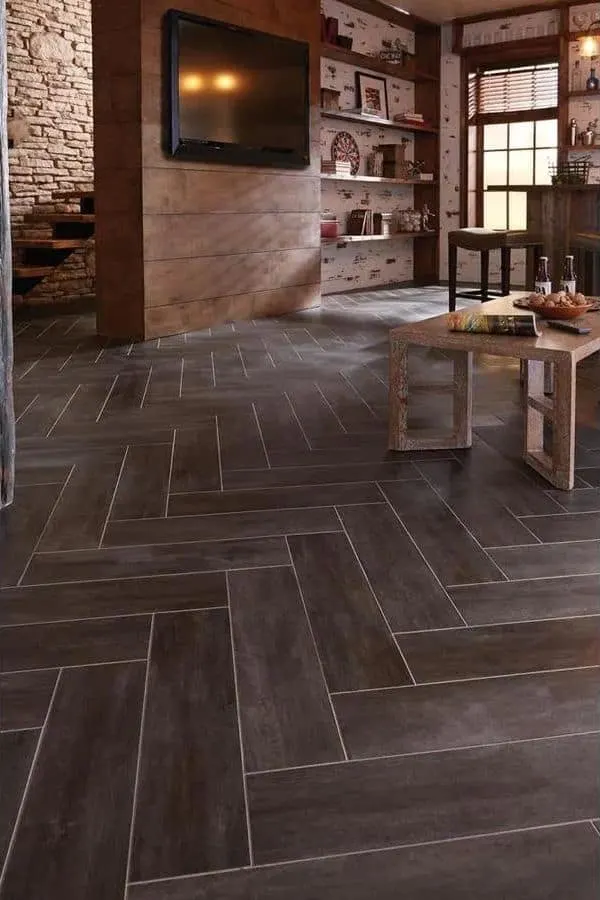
x=477 y=323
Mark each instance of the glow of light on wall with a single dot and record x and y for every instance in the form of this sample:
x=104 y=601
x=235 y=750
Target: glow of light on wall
x=225 y=81
x=589 y=46
x=191 y=83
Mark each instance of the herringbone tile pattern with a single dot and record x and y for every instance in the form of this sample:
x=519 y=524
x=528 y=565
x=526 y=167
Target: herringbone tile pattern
x=248 y=653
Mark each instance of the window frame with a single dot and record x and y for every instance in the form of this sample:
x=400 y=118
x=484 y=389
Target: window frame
x=479 y=120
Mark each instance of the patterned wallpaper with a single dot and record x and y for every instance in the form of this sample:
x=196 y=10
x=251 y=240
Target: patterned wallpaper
x=362 y=265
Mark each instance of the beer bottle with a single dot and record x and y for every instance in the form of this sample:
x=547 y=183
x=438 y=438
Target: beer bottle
x=543 y=285
x=568 y=281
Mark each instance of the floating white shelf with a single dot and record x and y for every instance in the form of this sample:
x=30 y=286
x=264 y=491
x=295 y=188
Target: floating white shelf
x=360 y=238
x=375 y=179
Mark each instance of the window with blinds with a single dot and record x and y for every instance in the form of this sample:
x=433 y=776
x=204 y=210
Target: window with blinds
x=513 y=140
x=512 y=90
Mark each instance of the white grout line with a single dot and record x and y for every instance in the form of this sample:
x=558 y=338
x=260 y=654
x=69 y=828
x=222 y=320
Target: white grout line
x=146 y=387
x=368 y=851
x=170 y=477
x=546 y=544
x=326 y=401
x=262 y=439
x=19 y=730
x=214 y=373
x=32 y=769
x=239 y=724
x=245 y=370
x=106 y=616
x=139 y=756
x=359 y=395
x=316 y=649
x=181 y=377
x=219 y=460
x=503 y=624
x=108 y=396
x=526 y=526
x=469 y=678
x=431 y=752
x=375 y=597
x=295 y=415
x=516 y=581
x=151 y=575
x=87 y=665
x=442 y=499
x=113 y=498
x=42 y=333
x=595 y=825
x=43 y=531
x=563 y=515
x=423 y=557
x=33 y=365
x=27 y=408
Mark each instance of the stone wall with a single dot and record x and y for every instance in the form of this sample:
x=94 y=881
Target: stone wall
x=50 y=121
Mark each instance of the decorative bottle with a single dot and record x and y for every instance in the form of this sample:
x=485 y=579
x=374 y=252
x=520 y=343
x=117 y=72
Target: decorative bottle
x=592 y=84
x=568 y=282
x=572 y=132
x=577 y=77
x=543 y=285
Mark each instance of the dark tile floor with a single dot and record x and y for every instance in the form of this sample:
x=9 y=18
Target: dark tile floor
x=248 y=653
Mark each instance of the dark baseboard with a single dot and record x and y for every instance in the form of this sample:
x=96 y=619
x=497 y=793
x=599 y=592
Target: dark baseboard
x=75 y=307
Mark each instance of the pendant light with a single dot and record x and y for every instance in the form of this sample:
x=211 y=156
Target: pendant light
x=589 y=41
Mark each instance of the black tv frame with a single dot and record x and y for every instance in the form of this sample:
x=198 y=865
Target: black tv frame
x=215 y=151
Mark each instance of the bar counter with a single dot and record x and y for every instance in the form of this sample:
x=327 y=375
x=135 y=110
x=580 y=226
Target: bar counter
x=556 y=212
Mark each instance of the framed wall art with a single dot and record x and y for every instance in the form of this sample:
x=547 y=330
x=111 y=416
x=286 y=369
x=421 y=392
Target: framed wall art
x=372 y=95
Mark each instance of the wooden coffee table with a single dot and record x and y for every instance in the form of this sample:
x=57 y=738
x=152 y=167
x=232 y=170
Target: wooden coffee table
x=559 y=348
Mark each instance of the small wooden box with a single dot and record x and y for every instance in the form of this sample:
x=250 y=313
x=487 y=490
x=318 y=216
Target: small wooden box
x=330 y=100
x=394 y=160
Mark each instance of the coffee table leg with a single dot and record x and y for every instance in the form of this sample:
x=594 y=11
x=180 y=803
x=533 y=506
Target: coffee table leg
x=563 y=432
x=559 y=466
x=398 y=403
x=463 y=399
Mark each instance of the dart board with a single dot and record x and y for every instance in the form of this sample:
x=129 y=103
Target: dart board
x=345 y=149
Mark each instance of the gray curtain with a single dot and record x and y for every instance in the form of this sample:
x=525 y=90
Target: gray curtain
x=7 y=413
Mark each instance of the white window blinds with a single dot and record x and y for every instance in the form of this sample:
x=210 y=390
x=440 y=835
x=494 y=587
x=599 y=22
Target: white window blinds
x=518 y=89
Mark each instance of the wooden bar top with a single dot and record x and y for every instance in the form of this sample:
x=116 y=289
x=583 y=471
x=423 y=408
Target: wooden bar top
x=538 y=188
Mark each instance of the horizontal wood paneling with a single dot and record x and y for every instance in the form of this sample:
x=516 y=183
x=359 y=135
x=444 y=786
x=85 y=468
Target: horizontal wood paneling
x=200 y=278
x=204 y=313
x=218 y=234
x=184 y=191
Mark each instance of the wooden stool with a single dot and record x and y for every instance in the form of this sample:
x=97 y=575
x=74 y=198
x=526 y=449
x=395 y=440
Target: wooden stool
x=587 y=246
x=482 y=240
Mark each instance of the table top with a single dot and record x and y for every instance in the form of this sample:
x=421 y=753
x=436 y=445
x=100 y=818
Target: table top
x=552 y=345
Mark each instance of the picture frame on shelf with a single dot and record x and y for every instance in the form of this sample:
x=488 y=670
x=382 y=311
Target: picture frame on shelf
x=372 y=95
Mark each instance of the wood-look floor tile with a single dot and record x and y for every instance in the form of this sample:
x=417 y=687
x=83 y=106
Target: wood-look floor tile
x=41 y=416
x=24 y=699
x=240 y=440
x=591 y=476
x=366 y=805
x=314 y=413
x=163 y=559
x=272 y=499
x=450 y=550
x=77 y=814
x=548 y=560
x=578 y=501
x=196 y=460
x=179 y=529
x=487 y=711
x=21 y=526
x=341 y=474
x=286 y=715
x=567 y=527
x=85 y=406
x=517 y=601
x=16 y=753
x=502 y=649
x=127 y=393
x=73 y=643
x=102 y=599
x=352 y=637
x=144 y=482
x=77 y=525
x=486 y=517
x=530 y=865
x=410 y=595
x=190 y=814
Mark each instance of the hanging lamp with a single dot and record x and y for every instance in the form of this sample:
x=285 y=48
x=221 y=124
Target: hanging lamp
x=589 y=41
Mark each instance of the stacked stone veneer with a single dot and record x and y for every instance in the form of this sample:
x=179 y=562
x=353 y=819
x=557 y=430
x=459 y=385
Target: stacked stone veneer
x=50 y=117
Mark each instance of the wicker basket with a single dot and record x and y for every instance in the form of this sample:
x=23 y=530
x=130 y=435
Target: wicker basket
x=571 y=172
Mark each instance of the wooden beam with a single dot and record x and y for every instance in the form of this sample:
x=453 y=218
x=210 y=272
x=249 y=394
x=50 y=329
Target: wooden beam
x=7 y=413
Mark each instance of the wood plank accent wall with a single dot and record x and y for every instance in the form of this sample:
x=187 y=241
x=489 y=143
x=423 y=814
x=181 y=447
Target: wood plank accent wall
x=222 y=242
x=116 y=31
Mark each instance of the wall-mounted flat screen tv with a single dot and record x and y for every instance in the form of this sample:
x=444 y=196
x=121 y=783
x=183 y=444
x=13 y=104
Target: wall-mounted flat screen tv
x=236 y=95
